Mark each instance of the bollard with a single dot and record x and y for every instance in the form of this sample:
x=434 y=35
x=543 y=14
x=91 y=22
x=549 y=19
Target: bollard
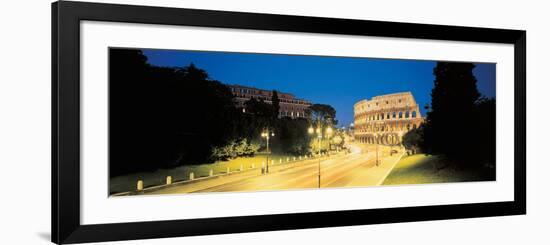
x=227 y=170
x=252 y=166
x=280 y=160
x=293 y=158
x=140 y=185
x=300 y=157
x=287 y=159
x=168 y=180
x=242 y=167
x=191 y=176
x=211 y=172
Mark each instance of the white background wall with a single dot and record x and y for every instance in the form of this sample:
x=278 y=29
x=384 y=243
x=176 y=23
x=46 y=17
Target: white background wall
x=25 y=121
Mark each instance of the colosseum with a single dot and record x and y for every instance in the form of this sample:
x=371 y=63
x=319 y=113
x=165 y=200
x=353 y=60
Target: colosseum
x=386 y=118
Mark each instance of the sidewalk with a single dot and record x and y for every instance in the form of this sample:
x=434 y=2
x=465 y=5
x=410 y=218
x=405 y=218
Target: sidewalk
x=210 y=182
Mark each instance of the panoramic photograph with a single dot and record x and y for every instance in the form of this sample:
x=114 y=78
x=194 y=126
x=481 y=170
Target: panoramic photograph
x=189 y=121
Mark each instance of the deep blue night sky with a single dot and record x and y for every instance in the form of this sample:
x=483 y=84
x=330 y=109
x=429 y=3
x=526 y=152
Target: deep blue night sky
x=336 y=81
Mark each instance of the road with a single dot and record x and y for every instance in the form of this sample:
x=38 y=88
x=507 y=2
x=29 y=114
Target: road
x=357 y=168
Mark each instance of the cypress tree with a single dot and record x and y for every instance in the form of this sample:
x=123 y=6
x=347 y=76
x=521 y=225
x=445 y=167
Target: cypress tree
x=451 y=123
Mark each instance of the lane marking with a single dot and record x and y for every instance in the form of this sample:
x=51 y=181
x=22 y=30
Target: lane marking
x=391 y=169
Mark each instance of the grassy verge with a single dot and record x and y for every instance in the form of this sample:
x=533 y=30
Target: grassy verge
x=128 y=182
x=423 y=169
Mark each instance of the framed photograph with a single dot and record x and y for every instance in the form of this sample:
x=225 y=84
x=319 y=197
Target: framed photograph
x=176 y=122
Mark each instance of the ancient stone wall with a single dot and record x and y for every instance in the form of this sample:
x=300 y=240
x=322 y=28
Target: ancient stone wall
x=386 y=118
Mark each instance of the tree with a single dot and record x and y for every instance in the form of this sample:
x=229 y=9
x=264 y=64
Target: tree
x=128 y=69
x=484 y=145
x=451 y=122
x=162 y=117
x=413 y=140
x=261 y=110
x=338 y=139
x=275 y=104
x=236 y=148
x=293 y=136
x=191 y=72
x=323 y=114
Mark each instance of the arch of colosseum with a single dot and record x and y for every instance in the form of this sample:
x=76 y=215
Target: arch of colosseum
x=386 y=118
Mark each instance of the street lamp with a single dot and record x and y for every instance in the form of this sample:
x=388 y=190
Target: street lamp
x=267 y=134
x=377 y=142
x=319 y=133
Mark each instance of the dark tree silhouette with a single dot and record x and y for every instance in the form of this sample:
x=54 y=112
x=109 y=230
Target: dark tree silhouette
x=484 y=146
x=164 y=117
x=452 y=125
x=275 y=103
x=293 y=137
x=261 y=110
x=325 y=113
x=413 y=140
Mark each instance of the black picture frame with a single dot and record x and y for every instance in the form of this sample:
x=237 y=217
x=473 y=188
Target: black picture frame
x=66 y=18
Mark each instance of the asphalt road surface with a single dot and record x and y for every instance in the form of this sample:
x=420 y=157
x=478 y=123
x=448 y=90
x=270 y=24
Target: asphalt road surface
x=354 y=169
